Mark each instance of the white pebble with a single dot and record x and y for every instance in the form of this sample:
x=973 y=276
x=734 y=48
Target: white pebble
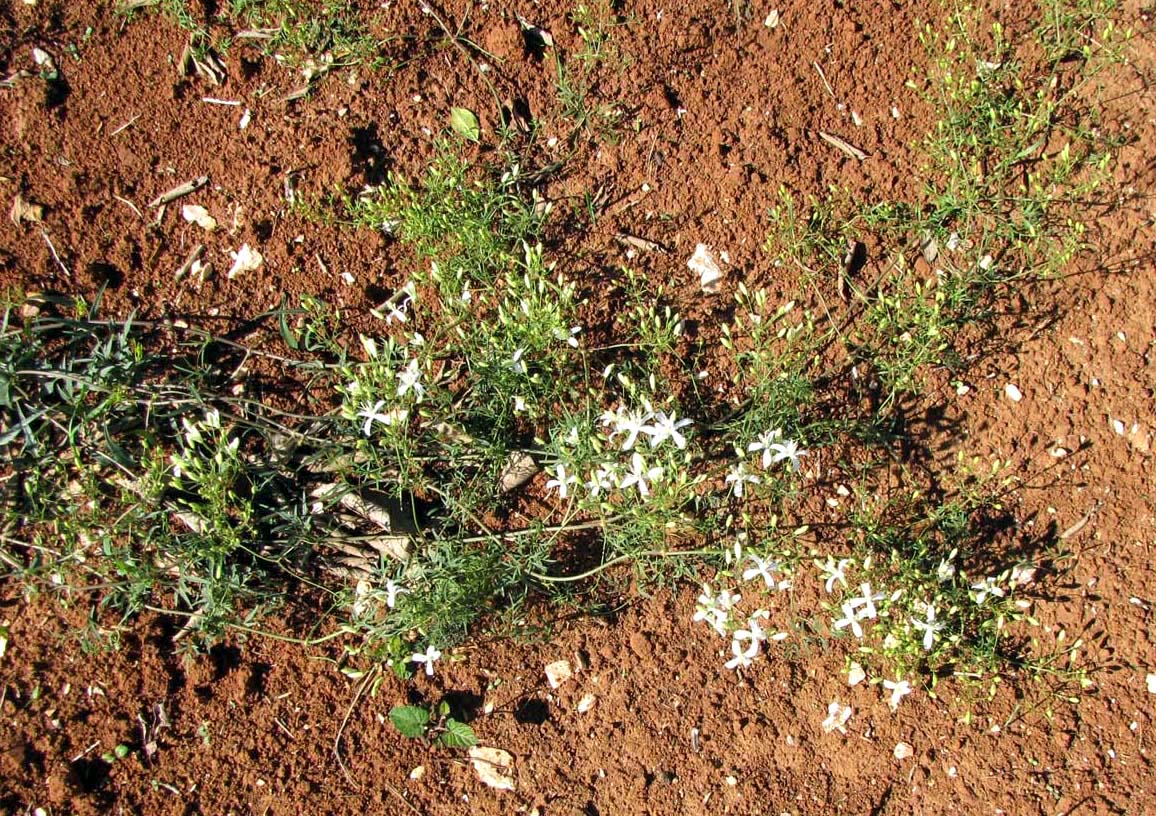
x=1013 y=392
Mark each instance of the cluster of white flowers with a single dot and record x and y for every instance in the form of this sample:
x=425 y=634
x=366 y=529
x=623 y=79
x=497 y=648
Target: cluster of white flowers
x=720 y=611
x=774 y=449
x=625 y=430
x=657 y=426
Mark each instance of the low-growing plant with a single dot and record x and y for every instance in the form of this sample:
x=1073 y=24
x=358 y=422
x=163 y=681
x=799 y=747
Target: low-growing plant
x=434 y=725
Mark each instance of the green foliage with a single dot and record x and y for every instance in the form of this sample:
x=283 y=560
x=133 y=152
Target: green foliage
x=417 y=722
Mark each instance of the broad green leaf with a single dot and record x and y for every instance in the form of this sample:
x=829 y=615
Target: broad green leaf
x=457 y=735
x=409 y=720
x=465 y=123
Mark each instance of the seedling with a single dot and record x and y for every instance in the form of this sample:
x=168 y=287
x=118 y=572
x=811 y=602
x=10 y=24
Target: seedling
x=433 y=725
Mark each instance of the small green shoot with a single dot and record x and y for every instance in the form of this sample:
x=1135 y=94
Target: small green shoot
x=417 y=722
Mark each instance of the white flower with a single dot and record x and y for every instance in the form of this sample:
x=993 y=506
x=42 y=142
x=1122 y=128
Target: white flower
x=398 y=312
x=213 y=420
x=1021 y=574
x=899 y=689
x=710 y=611
x=946 y=569
x=192 y=433
x=392 y=590
x=429 y=657
x=726 y=600
x=562 y=481
x=867 y=602
x=787 y=451
x=517 y=364
x=605 y=478
x=987 y=587
x=373 y=413
x=762 y=568
x=631 y=423
x=666 y=427
x=410 y=380
x=929 y=627
x=570 y=338
x=638 y=476
x=764 y=443
x=850 y=619
x=743 y=656
x=519 y=405
x=833 y=572
x=739 y=476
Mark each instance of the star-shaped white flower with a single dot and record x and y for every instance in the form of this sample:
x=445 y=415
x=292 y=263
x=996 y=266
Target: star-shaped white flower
x=428 y=658
x=833 y=572
x=788 y=451
x=561 y=481
x=929 y=627
x=631 y=423
x=569 y=338
x=837 y=717
x=640 y=475
x=738 y=476
x=763 y=568
x=763 y=443
x=865 y=603
x=604 y=479
x=373 y=413
x=985 y=589
x=392 y=590
x=899 y=689
x=849 y=619
x=667 y=427
x=410 y=380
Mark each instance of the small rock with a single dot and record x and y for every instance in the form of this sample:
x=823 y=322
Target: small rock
x=196 y=214
x=903 y=750
x=245 y=259
x=856 y=675
x=837 y=716
x=1152 y=684
x=558 y=673
x=1013 y=392
x=703 y=262
x=772 y=20
x=493 y=766
x=1118 y=427
x=586 y=703
x=417 y=773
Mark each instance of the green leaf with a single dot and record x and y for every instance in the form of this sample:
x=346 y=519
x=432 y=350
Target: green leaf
x=411 y=721
x=465 y=123
x=457 y=735
x=286 y=333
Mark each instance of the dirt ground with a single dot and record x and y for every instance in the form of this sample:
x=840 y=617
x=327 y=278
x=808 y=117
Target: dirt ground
x=728 y=114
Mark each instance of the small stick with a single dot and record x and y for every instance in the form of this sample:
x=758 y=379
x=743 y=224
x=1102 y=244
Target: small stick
x=130 y=205
x=125 y=126
x=180 y=190
x=194 y=256
x=212 y=100
x=55 y=256
x=846 y=147
x=1079 y=525
x=86 y=751
x=823 y=77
